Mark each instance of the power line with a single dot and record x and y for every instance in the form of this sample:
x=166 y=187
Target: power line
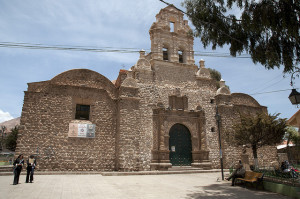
x=272 y=91
x=266 y=82
x=259 y=90
x=219 y=55
x=101 y=49
x=65 y=47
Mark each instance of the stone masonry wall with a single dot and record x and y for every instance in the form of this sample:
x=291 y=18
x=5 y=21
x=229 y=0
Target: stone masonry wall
x=230 y=114
x=129 y=136
x=45 y=125
x=165 y=84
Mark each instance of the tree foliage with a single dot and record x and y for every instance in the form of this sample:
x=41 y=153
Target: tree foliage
x=11 y=139
x=216 y=75
x=267 y=29
x=2 y=133
x=258 y=130
x=292 y=135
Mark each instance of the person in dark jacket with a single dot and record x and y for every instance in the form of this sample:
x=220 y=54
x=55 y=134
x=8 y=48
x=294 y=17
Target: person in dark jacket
x=31 y=163
x=18 y=164
x=238 y=173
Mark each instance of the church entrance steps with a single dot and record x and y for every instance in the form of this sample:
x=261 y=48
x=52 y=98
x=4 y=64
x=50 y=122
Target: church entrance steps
x=8 y=168
x=161 y=172
x=184 y=168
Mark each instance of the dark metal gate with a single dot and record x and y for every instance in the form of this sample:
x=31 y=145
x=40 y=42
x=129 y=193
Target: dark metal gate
x=180 y=146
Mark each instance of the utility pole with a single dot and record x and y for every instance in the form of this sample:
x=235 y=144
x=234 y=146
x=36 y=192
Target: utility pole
x=218 y=118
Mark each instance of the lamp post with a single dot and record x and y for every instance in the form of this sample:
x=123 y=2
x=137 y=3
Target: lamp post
x=218 y=118
x=294 y=97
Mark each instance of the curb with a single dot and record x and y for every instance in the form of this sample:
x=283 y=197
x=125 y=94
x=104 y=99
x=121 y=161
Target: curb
x=116 y=173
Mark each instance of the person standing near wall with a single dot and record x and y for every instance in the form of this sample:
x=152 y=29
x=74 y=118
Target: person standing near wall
x=18 y=164
x=31 y=163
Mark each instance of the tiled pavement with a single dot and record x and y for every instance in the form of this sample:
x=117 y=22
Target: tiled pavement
x=197 y=185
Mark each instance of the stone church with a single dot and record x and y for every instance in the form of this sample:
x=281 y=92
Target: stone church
x=159 y=114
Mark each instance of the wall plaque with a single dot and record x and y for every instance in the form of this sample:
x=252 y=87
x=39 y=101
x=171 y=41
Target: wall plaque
x=173 y=148
x=81 y=130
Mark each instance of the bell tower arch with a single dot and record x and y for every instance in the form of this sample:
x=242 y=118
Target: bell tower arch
x=171 y=35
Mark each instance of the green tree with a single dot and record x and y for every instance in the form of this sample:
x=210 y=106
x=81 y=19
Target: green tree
x=2 y=132
x=257 y=131
x=11 y=139
x=291 y=135
x=216 y=75
x=267 y=29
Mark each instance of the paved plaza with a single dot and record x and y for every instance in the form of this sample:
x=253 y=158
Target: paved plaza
x=201 y=185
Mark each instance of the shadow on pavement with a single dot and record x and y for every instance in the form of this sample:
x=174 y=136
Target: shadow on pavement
x=227 y=191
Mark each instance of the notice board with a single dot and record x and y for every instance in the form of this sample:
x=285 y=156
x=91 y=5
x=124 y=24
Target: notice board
x=81 y=130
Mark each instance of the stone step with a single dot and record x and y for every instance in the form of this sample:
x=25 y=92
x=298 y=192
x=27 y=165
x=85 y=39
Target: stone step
x=6 y=173
x=183 y=168
x=8 y=168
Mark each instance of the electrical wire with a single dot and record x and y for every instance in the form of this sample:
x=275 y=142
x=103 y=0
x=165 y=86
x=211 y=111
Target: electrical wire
x=102 y=49
x=272 y=91
x=265 y=83
x=65 y=47
x=270 y=85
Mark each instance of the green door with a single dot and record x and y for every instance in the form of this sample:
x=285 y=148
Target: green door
x=180 y=146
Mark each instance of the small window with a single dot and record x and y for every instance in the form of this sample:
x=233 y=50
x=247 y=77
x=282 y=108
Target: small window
x=213 y=129
x=171 y=26
x=212 y=101
x=180 y=56
x=165 y=54
x=82 y=112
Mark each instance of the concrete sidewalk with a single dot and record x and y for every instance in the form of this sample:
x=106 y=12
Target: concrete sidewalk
x=199 y=185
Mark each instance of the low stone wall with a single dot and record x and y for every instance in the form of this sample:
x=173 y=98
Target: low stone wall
x=287 y=190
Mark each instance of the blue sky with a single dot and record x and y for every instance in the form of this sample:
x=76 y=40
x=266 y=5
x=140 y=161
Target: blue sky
x=117 y=24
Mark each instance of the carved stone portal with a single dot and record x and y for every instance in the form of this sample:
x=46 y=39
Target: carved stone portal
x=163 y=121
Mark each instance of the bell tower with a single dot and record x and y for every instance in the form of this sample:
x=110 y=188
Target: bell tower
x=171 y=37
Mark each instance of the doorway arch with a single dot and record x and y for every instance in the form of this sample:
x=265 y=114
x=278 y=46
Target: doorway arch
x=180 y=145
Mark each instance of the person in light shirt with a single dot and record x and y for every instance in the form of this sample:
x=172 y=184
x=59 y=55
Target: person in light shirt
x=31 y=163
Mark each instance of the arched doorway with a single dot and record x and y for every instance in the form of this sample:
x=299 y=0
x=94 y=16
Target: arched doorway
x=180 y=146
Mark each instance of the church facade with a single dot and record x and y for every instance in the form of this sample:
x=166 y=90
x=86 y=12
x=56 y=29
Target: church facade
x=159 y=114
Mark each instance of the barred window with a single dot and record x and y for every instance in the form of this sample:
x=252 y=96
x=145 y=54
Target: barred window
x=82 y=112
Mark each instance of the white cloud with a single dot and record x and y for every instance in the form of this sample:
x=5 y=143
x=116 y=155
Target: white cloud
x=4 y=116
